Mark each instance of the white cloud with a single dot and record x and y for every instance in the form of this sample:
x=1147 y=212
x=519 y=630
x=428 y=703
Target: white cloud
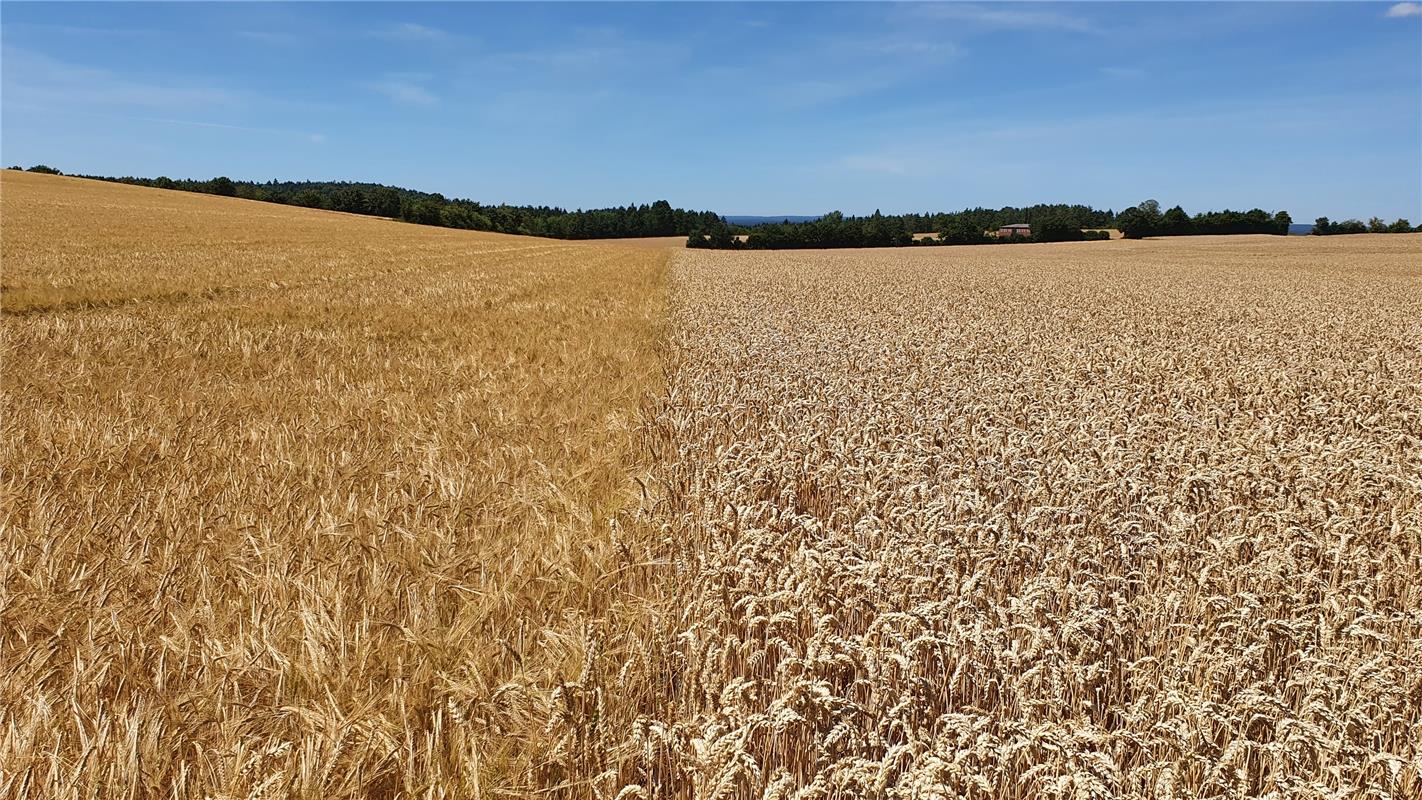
x=1003 y=16
x=314 y=138
x=273 y=38
x=818 y=92
x=1124 y=73
x=523 y=109
x=401 y=90
x=989 y=147
x=1405 y=10
x=880 y=163
x=928 y=50
x=84 y=30
x=414 y=32
x=591 y=54
x=573 y=59
x=37 y=79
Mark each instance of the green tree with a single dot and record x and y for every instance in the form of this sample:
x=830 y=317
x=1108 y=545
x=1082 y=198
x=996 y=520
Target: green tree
x=424 y=211
x=1133 y=224
x=308 y=198
x=1056 y=228
x=348 y=199
x=1175 y=222
x=958 y=231
x=462 y=215
x=251 y=191
x=222 y=186
x=383 y=202
x=660 y=219
x=1141 y=221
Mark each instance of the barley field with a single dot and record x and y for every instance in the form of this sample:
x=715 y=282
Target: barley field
x=303 y=505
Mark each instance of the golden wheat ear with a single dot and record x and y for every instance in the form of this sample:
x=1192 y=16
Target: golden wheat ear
x=306 y=505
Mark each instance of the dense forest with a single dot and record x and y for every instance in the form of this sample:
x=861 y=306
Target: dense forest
x=1323 y=227
x=1147 y=219
x=1050 y=223
x=657 y=219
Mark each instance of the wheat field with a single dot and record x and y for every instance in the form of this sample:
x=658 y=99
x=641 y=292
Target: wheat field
x=1139 y=519
x=303 y=505
x=297 y=504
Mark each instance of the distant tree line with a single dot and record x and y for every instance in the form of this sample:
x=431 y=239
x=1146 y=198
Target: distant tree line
x=1323 y=227
x=424 y=208
x=1050 y=223
x=1147 y=219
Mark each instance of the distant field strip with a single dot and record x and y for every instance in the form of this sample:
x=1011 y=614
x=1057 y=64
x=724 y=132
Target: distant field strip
x=1075 y=521
x=78 y=243
x=304 y=505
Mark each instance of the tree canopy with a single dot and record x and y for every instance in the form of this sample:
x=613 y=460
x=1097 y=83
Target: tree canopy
x=425 y=208
x=1147 y=219
x=1325 y=227
x=1058 y=222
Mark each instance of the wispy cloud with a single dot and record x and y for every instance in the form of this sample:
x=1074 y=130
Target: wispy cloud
x=413 y=32
x=825 y=70
x=273 y=38
x=1004 y=16
x=314 y=138
x=992 y=144
x=404 y=89
x=571 y=58
x=925 y=50
x=37 y=79
x=1405 y=10
x=814 y=92
x=1124 y=73
x=879 y=164
x=549 y=109
x=85 y=30
x=597 y=50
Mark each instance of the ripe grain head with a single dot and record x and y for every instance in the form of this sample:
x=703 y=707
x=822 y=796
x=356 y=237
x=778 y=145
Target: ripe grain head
x=1128 y=520
x=297 y=504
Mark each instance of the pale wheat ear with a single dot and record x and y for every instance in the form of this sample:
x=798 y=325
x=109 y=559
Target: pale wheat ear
x=1138 y=524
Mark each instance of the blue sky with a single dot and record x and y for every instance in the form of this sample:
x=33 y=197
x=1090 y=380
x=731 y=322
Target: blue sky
x=746 y=109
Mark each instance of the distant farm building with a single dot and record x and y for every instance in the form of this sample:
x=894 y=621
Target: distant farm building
x=1020 y=229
